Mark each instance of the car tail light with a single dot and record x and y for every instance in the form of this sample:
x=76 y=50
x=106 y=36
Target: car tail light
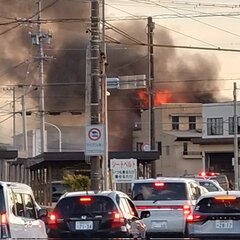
x=4 y=226
x=52 y=219
x=118 y=220
x=227 y=197
x=85 y=200
x=159 y=184
x=4 y=218
x=195 y=218
x=187 y=210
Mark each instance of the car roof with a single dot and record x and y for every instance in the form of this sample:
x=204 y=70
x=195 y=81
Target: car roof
x=164 y=179
x=14 y=184
x=219 y=193
x=111 y=194
x=205 y=180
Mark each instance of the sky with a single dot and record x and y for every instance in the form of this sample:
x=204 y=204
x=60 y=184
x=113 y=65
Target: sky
x=203 y=23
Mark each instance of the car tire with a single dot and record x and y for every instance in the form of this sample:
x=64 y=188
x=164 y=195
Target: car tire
x=186 y=233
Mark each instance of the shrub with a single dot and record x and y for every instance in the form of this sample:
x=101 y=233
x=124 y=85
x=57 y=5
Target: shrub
x=77 y=182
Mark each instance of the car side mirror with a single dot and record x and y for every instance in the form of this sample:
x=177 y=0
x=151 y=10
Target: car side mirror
x=145 y=214
x=42 y=213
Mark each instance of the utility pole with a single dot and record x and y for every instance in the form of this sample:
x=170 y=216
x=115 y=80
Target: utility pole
x=95 y=78
x=25 y=139
x=14 y=116
x=104 y=110
x=236 y=164
x=41 y=58
x=13 y=89
x=151 y=27
x=39 y=39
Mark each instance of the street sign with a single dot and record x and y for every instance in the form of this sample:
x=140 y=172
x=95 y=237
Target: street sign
x=123 y=170
x=94 y=140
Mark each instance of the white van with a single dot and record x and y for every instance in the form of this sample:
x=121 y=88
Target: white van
x=169 y=200
x=20 y=215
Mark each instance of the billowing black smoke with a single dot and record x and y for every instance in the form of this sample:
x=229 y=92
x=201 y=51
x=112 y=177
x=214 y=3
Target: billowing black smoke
x=190 y=77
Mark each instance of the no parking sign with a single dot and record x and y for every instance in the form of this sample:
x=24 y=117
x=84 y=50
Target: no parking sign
x=94 y=140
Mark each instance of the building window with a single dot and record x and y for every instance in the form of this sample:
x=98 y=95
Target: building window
x=192 y=122
x=231 y=125
x=139 y=146
x=175 y=123
x=185 y=148
x=159 y=146
x=215 y=126
x=167 y=150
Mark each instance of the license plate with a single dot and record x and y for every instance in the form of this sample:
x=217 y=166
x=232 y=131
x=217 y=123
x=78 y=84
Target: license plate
x=224 y=224
x=159 y=224
x=84 y=225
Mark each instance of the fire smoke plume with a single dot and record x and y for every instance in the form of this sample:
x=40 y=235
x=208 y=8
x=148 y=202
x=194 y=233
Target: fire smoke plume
x=178 y=78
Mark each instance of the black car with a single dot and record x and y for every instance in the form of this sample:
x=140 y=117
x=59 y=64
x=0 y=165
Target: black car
x=96 y=214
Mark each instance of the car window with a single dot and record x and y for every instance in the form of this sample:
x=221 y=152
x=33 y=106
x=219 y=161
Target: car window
x=209 y=186
x=72 y=206
x=124 y=206
x=212 y=205
x=159 y=191
x=2 y=202
x=19 y=211
x=195 y=191
x=133 y=208
x=30 y=211
x=222 y=180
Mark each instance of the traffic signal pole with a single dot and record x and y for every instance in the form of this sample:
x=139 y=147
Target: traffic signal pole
x=95 y=79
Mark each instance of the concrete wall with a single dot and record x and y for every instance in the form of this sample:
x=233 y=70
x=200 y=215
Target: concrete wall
x=172 y=161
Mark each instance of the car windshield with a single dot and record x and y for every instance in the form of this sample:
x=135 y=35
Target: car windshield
x=72 y=206
x=212 y=205
x=159 y=191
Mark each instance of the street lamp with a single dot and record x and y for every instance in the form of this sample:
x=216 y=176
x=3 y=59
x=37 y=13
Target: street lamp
x=59 y=133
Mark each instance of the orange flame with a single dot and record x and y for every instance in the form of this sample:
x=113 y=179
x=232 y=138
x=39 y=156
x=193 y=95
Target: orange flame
x=159 y=97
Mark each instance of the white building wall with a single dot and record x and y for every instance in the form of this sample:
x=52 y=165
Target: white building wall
x=219 y=110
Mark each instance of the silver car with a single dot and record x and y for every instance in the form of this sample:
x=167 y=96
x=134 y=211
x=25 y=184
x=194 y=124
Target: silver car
x=170 y=201
x=216 y=214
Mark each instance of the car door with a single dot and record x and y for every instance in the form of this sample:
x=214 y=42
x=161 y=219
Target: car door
x=36 y=227
x=17 y=222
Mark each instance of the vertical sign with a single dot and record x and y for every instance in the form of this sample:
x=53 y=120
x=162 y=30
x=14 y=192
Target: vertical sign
x=123 y=170
x=94 y=140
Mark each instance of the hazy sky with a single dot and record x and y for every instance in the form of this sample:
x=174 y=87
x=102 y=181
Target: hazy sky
x=202 y=23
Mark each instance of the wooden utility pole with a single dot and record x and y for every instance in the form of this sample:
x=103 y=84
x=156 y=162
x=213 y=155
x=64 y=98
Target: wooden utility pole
x=151 y=26
x=95 y=79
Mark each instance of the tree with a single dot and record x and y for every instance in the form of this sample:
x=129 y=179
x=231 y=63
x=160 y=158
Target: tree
x=77 y=182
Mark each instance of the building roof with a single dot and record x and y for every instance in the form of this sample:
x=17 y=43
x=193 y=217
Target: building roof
x=184 y=135
x=212 y=141
x=69 y=158
x=8 y=154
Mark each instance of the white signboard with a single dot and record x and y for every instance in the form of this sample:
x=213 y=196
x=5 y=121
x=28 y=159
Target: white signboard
x=123 y=170
x=94 y=140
